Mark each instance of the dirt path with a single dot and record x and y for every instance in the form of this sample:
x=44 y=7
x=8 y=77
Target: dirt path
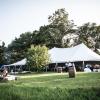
x=39 y=75
x=46 y=74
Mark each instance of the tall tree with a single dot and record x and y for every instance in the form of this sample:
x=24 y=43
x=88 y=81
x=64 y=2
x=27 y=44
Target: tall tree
x=48 y=35
x=87 y=33
x=61 y=25
x=97 y=37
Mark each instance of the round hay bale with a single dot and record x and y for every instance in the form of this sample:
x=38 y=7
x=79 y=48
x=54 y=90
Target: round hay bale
x=72 y=72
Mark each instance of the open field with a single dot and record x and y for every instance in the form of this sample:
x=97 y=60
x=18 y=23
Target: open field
x=52 y=86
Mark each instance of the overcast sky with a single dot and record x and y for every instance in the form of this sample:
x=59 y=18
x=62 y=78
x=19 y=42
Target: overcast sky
x=19 y=16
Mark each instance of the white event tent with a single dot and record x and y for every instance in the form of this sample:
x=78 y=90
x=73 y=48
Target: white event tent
x=19 y=63
x=14 y=65
x=62 y=55
x=74 y=54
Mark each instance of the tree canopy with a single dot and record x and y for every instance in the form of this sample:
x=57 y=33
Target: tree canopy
x=89 y=34
x=61 y=25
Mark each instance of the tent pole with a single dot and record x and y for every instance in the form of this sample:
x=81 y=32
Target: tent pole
x=21 y=68
x=9 y=68
x=15 y=69
x=56 y=66
x=46 y=68
x=83 y=66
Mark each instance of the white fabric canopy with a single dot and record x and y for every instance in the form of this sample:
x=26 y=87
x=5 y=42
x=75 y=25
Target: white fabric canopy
x=98 y=50
x=19 y=63
x=73 y=54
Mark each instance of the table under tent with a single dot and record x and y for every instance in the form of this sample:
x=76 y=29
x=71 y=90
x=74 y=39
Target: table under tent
x=80 y=55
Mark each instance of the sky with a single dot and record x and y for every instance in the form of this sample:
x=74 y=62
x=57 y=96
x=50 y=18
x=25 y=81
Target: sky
x=20 y=16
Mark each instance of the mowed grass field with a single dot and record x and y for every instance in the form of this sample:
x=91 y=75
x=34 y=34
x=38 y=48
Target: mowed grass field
x=52 y=86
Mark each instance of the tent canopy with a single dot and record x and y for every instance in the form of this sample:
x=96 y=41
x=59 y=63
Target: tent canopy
x=78 y=53
x=61 y=55
x=19 y=63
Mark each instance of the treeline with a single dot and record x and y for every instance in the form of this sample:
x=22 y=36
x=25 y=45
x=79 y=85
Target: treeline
x=60 y=32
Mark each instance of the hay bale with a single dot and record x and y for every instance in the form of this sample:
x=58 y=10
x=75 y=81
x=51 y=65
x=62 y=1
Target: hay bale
x=71 y=71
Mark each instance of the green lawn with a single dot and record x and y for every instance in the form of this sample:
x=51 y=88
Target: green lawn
x=86 y=86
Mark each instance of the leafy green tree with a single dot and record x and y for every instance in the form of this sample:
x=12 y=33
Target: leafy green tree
x=96 y=38
x=46 y=36
x=43 y=37
x=60 y=19
x=37 y=57
x=60 y=25
x=87 y=34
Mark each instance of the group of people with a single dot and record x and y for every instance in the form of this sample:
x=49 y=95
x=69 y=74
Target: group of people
x=91 y=68
x=88 y=67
